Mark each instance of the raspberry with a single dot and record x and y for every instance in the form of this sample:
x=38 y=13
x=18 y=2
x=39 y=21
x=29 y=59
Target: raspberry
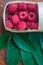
x=34 y=26
x=28 y=25
x=9 y=24
x=32 y=17
x=23 y=15
x=16 y=13
x=15 y=19
x=22 y=6
x=32 y=7
x=12 y=8
x=9 y=17
x=21 y=25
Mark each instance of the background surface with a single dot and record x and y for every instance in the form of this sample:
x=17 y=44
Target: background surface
x=2 y=30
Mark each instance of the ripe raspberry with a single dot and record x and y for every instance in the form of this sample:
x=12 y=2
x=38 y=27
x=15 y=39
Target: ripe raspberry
x=9 y=17
x=9 y=24
x=23 y=15
x=22 y=6
x=16 y=13
x=32 y=17
x=34 y=26
x=28 y=25
x=32 y=7
x=15 y=19
x=21 y=25
x=12 y=8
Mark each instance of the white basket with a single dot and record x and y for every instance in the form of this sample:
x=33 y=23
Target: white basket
x=40 y=9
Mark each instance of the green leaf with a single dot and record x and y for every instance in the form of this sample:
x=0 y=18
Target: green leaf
x=21 y=40
x=41 y=40
x=12 y=54
x=34 y=37
x=38 y=58
x=27 y=58
x=3 y=40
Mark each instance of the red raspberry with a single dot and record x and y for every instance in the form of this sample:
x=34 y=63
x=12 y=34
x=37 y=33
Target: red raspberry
x=16 y=13
x=23 y=15
x=21 y=25
x=28 y=25
x=15 y=19
x=32 y=17
x=12 y=8
x=22 y=6
x=32 y=7
x=9 y=24
x=34 y=26
x=9 y=17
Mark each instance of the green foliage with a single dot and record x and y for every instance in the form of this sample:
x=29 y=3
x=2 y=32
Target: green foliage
x=27 y=58
x=12 y=54
x=25 y=47
x=23 y=43
x=3 y=40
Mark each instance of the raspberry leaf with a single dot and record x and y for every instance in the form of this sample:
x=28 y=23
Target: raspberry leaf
x=41 y=40
x=34 y=37
x=12 y=54
x=3 y=40
x=23 y=43
x=30 y=43
x=27 y=58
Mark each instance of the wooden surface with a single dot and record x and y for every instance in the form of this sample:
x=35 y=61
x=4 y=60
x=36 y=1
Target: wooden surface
x=2 y=30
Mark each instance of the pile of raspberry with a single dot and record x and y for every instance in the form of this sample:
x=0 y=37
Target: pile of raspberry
x=22 y=16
